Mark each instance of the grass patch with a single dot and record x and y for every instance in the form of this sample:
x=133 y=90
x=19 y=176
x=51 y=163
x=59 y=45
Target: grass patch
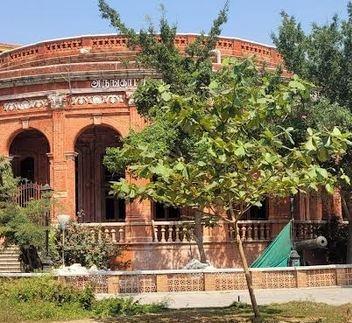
x=46 y=299
x=292 y=312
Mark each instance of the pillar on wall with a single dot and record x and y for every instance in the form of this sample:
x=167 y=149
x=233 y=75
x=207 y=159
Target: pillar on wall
x=139 y=218
x=279 y=208
x=315 y=205
x=59 y=170
x=332 y=204
x=336 y=203
x=71 y=182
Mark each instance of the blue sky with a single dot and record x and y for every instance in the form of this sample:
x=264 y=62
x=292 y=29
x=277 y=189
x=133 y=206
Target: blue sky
x=28 y=21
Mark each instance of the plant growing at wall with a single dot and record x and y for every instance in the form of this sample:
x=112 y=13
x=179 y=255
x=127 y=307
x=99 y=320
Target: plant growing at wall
x=211 y=144
x=323 y=56
x=19 y=225
x=83 y=247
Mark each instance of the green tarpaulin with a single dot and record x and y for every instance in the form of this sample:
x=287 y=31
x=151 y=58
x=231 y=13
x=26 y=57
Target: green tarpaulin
x=278 y=252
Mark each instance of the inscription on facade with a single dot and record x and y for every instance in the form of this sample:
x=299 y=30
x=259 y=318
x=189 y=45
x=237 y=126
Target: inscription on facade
x=26 y=104
x=97 y=99
x=114 y=83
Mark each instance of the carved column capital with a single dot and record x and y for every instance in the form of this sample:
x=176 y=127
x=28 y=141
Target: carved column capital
x=71 y=155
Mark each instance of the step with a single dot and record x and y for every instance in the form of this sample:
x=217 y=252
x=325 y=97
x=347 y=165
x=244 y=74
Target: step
x=12 y=264
x=9 y=255
x=5 y=251
x=9 y=261
x=10 y=271
x=9 y=250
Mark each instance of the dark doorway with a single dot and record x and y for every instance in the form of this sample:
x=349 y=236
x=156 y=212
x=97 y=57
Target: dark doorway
x=93 y=199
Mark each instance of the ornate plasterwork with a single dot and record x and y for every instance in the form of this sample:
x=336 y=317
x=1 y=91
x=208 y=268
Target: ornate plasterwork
x=26 y=104
x=129 y=97
x=97 y=99
x=57 y=100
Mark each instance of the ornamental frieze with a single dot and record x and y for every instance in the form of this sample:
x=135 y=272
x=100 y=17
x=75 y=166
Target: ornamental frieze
x=97 y=99
x=26 y=105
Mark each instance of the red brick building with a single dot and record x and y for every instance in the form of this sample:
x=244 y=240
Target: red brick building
x=62 y=102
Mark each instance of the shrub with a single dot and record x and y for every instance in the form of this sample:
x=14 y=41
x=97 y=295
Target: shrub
x=45 y=298
x=82 y=248
x=113 y=307
x=45 y=289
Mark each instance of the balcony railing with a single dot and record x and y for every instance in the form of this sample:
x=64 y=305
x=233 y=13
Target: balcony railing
x=114 y=231
x=172 y=232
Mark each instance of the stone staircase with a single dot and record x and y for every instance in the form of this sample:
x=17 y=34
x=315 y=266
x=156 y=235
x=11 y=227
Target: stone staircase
x=9 y=262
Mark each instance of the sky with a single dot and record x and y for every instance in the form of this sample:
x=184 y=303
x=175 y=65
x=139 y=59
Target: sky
x=29 y=21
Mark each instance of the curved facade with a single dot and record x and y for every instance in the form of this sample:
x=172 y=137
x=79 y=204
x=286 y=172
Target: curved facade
x=62 y=102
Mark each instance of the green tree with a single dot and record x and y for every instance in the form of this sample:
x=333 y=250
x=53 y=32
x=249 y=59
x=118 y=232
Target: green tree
x=189 y=72
x=238 y=156
x=324 y=57
x=211 y=144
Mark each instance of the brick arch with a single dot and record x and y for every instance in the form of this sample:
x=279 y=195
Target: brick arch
x=102 y=125
x=30 y=149
x=74 y=130
x=18 y=131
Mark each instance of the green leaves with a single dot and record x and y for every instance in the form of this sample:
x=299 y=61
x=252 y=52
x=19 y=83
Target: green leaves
x=226 y=150
x=166 y=96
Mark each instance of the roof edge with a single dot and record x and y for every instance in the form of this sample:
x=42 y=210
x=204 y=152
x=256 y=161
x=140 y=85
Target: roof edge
x=19 y=47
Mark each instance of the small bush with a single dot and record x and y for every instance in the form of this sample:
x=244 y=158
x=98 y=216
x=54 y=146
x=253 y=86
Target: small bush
x=45 y=298
x=113 y=307
x=82 y=248
x=46 y=289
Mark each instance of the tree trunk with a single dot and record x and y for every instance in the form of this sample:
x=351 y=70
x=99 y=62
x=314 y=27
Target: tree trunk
x=198 y=235
x=349 y=239
x=257 y=317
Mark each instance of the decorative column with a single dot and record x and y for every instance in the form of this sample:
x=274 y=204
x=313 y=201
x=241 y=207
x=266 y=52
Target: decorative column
x=139 y=218
x=332 y=204
x=138 y=213
x=336 y=203
x=279 y=209
x=71 y=182
x=315 y=206
x=61 y=175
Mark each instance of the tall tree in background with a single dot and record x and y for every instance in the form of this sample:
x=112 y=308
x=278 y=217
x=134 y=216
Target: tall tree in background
x=189 y=72
x=323 y=56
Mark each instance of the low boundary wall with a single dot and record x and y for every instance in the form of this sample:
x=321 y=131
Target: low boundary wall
x=124 y=282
